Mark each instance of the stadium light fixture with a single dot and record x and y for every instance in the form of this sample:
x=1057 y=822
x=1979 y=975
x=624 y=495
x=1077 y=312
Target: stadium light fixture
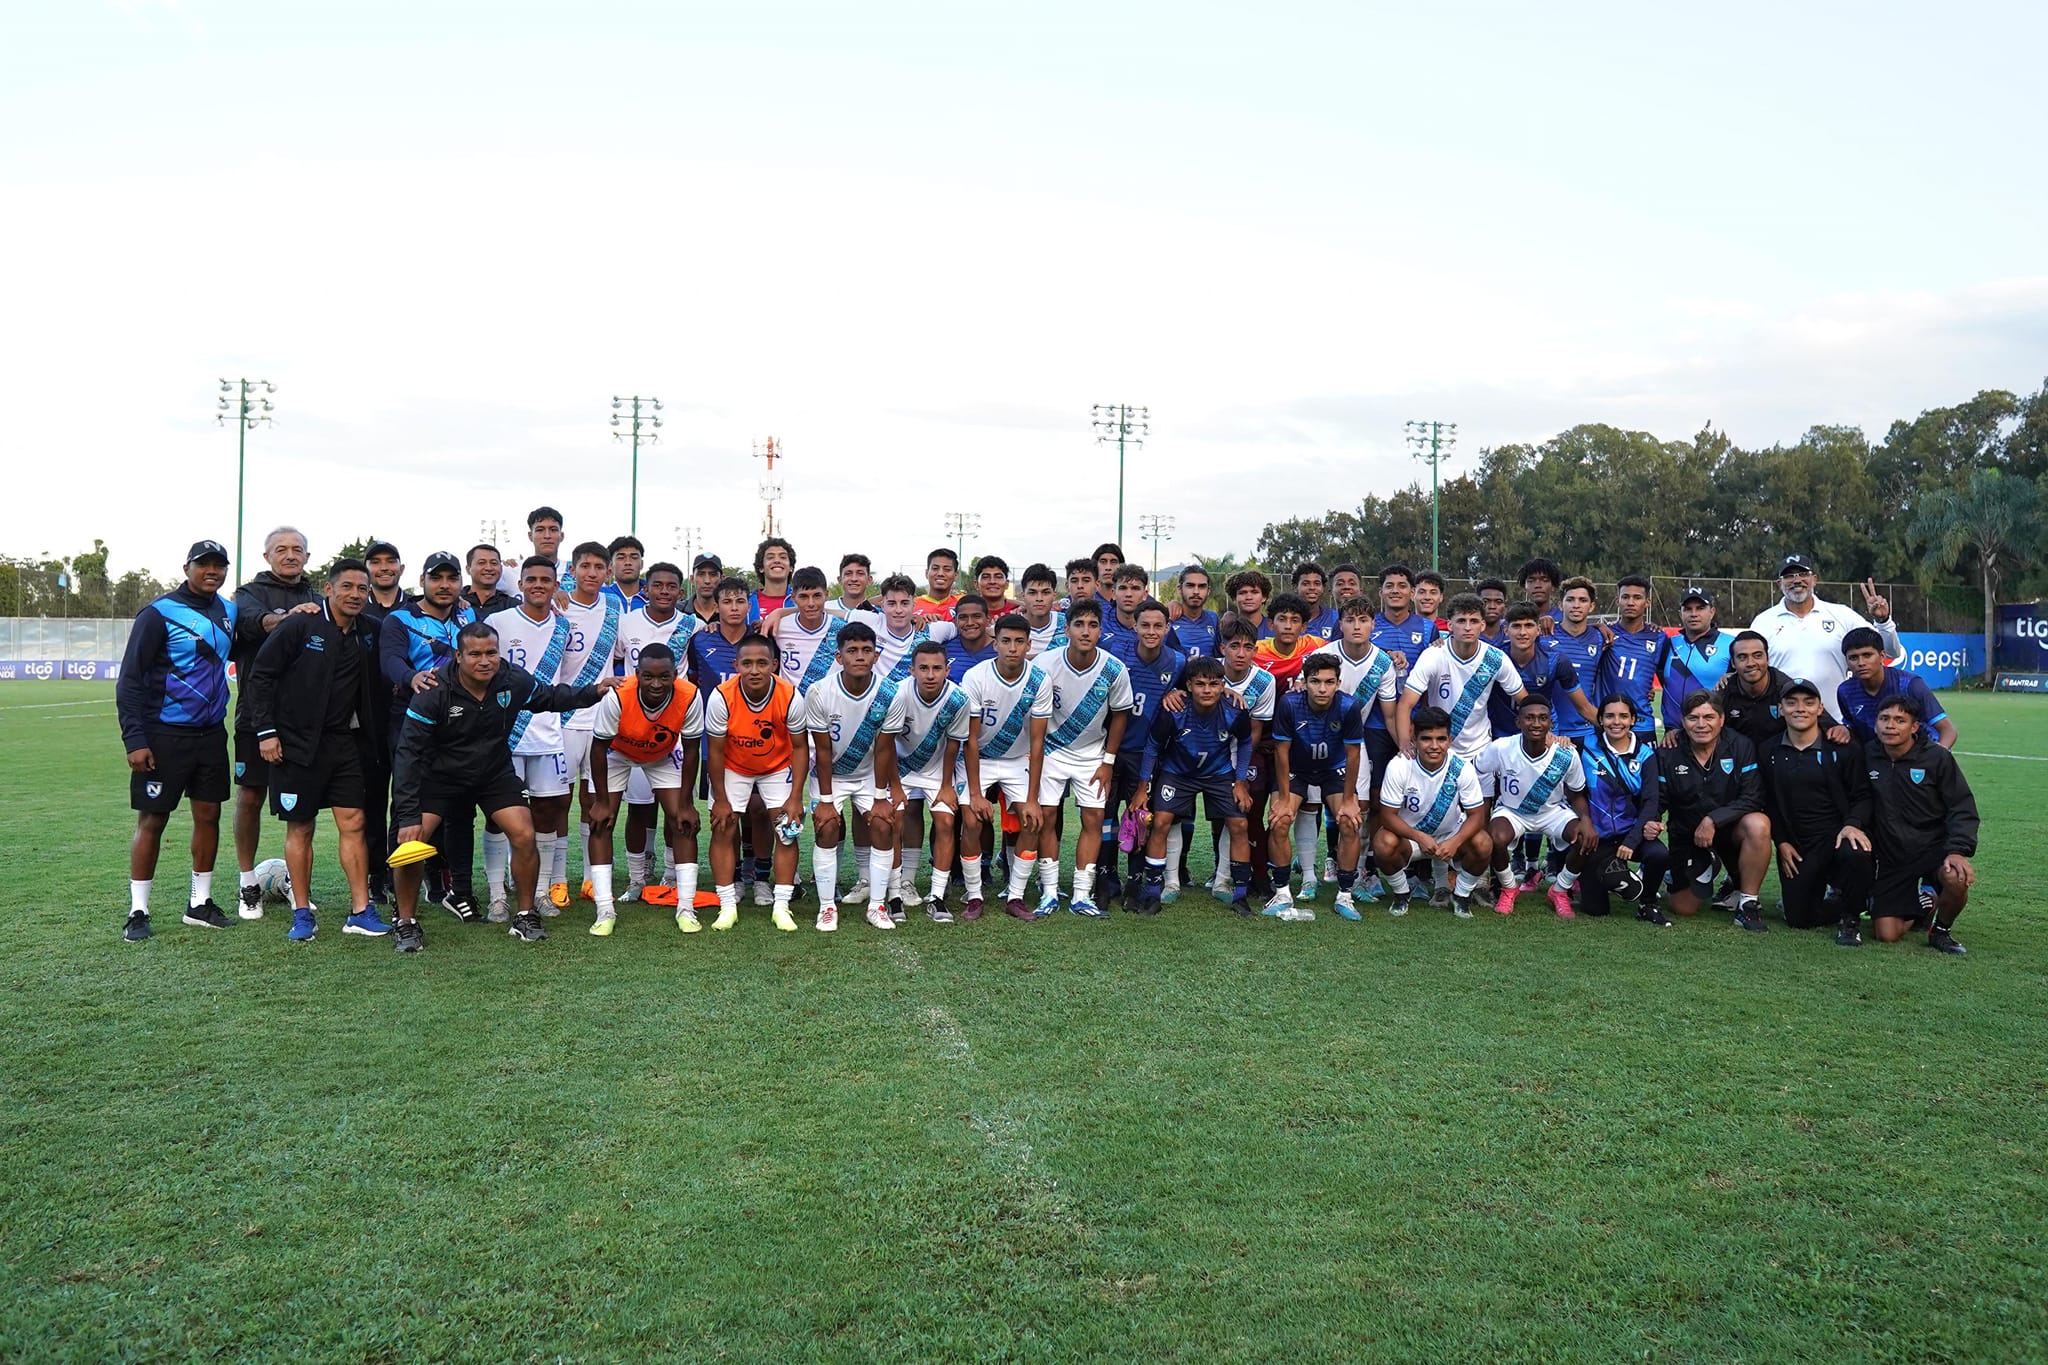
x=245 y=402
x=1127 y=426
x=1432 y=443
x=630 y=422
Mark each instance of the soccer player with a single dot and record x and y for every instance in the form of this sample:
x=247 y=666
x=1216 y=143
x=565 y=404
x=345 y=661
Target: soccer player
x=1493 y=598
x=1108 y=557
x=774 y=562
x=544 y=533
x=1621 y=791
x=1817 y=792
x=1256 y=691
x=1309 y=584
x=1048 y=627
x=414 y=642
x=1575 y=638
x=625 y=587
x=1154 y=668
x=484 y=597
x=387 y=594
x=1129 y=586
x=1429 y=597
x=1542 y=672
x=1628 y=659
x=1540 y=579
x=853 y=716
x=1805 y=633
x=856 y=574
x=657 y=621
x=1248 y=591
x=941 y=571
x=534 y=638
x=1539 y=789
x=1367 y=672
x=1285 y=646
x=1924 y=831
x=172 y=700
x=1871 y=681
x=1462 y=677
x=901 y=629
x=593 y=635
x=1091 y=701
x=1430 y=806
x=714 y=648
x=806 y=635
x=992 y=584
x=935 y=724
x=261 y=606
x=1397 y=629
x=1009 y=711
x=1317 y=734
x=1347 y=581
x=971 y=644
x=1753 y=692
x=1708 y=783
x=647 y=726
x=1202 y=749
x=1081 y=582
x=454 y=755
x=706 y=573
x=1693 y=660
x=758 y=750
x=308 y=696
x=1193 y=622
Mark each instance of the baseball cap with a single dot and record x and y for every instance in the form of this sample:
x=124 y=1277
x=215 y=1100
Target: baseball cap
x=438 y=561
x=707 y=562
x=1696 y=593
x=205 y=549
x=1797 y=562
x=1805 y=685
x=381 y=547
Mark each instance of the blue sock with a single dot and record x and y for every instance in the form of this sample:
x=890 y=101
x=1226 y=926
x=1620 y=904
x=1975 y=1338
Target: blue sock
x=1240 y=880
x=1155 y=871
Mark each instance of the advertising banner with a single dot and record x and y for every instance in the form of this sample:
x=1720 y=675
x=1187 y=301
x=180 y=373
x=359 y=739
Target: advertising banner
x=44 y=670
x=1942 y=660
x=2023 y=637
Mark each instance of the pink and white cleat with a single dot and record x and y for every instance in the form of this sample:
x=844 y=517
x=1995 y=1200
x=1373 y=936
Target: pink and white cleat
x=1504 y=903
x=1561 y=901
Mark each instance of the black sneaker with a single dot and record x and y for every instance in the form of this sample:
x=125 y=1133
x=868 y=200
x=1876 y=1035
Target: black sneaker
x=527 y=928
x=410 y=938
x=137 y=930
x=207 y=915
x=1942 y=941
x=458 y=904
x=1749 y=915
x=896 y=915
x=251 y=906
x=1849 y=934
x=1653 y=914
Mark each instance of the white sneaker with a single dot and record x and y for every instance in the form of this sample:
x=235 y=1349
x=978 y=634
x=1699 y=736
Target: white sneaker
x=498 y=913
x=878 y=915
x=939 y=914
x=828 y=918
x=1279 y=905
x=859 y=890
x=909 y=896
x=632 y=891
x=764 y=894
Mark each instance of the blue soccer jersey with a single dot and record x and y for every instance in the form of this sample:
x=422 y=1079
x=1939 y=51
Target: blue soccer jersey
x=1544 y=675
x=1408 y=638
x=1628 y=668
x=1195 y=750
x=1685 y=666
x=1318 y=739
x=1860 y=707
x=1197 y=635
x=1150 y=682
x=1583 y=651
x=959 y=658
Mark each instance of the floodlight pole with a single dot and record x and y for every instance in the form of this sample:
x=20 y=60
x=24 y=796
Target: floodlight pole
x=1432 y=442
x=959 y=526
x=247 y=402
x=1155 y=527
x=1127 y=426
x=641 y=428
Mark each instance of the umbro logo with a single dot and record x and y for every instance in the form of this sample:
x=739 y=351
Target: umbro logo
x=454 y=711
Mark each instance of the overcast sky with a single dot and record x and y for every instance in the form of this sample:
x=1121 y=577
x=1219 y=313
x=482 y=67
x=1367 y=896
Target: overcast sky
x=916 y=242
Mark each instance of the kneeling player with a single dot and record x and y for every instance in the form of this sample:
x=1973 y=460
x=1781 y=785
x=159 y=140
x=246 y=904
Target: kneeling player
x=648 y=727
x=1539 y=789
x=1204 y=748
x=756 y=747
x=935 y=725
x=1431 y=807
x=1818 y=795
x=1925 y=828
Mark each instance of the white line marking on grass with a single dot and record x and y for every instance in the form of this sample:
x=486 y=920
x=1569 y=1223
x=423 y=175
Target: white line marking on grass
x=87 y=715
x=53 y=705
x=2019 y=758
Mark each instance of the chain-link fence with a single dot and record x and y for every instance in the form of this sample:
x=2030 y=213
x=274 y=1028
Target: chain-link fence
x=37 y=647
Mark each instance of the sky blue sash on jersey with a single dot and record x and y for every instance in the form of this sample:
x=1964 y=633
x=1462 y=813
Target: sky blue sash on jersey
x=1446 y=793
x=600 y=656
x=1475 y=687
x=1087 y=709
x=998 y=745
x=1254 y=688
x=827 y=654
x=1368 y=689
x=550 y=660
x=948 y=712
x=854 y=757
x=1539 y=791
x=902 y=668
x=1697 y=663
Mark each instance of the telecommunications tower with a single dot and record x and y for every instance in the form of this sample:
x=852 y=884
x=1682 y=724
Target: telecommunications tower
x=771 y=483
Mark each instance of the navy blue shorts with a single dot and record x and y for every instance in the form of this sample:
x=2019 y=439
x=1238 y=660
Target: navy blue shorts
x=1176 y=796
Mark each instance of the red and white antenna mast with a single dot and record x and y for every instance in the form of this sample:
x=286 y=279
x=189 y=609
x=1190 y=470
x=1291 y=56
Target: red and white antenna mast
x=771 y=482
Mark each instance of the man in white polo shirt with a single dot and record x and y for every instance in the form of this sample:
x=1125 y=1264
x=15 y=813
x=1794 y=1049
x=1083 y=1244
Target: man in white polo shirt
x=1805 y=634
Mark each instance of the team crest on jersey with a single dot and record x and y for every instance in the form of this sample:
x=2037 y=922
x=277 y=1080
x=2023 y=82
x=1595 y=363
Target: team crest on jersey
x=1727 y=765
x=241 y=768
x=1414 y=637
x=1828 y=625
x=505 y=698
x=314 y=642
x=1774 y=713
x=287 y=800
x=1917 y=774
x=154 y=789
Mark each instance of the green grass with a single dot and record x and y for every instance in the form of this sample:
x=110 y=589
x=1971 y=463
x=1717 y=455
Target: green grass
x=1183 y=1139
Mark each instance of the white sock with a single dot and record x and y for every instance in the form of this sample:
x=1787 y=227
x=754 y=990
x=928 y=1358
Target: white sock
x=1305 y=842
x=601 y=887
x=825 y=875
x=784 y=893
x=1049 y=876
x=1397 y=881
x=939 y=879
x=1020 y=874
x=636 y=868
x=545 y=848
x=913 y=863
x=728 y=898
x=1463 y=882
x=497 y=864
x=860 y=862
x=1175 y=842
x=248 y=879
x=880 y=862
x=685 y=875
x=970 y=877
x=138 y=895
x=895 y=883
x=1084 y=881
x=583 y=843
x=1566 y=879
x=202 y=887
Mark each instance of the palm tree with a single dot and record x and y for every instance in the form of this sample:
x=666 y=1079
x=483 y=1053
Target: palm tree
x=1998 y=520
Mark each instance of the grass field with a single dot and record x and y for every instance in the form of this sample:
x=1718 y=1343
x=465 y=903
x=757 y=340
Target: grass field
x=1182 y=1139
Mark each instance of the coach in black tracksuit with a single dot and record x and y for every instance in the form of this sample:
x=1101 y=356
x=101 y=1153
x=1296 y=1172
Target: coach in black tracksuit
x=1818 y=796
x=1708 y=782
x=1753 y=691
x=1924 y=828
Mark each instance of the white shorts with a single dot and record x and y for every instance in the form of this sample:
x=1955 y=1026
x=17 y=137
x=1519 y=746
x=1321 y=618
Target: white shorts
x=639 y=792
x=925 y=786
x=1012 y=775
x=1550 y=822
x=741 y=789
x=861 y=788
x=576 y=753
x=664 y=773
x=1063 y=772
x=543 y=774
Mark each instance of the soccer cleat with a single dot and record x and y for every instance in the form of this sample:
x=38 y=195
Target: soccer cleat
x=137 y=928
x=1560 y=902
x=207 y=915
x=1048 y=902
x=1730 y=897
x=558 y=897
x=1345 y=906
x=1017 y=909
x=408 y=937
x=1504 y=904
x=972 y=910
x=784 y=921
x=895 y=907
x=1219 y=886
x=1652 y=914
x=1849 y=934
x=1170 y=892
x=1329 y=869
x=1241 y=906
x=1461 y=906
x=764 y=894
x=1085 y=908
x=250 y=905
x=632 y=892
x=1925 y=919
x=828 y=918
x=858 y=892
x=1279 y=905
x=878 y=915
x=1398 y=906
x=937 y=913
x=602 y=926
x=910 y=896
x=1109 y=884
x=1369 y=889
x=686 y=920
x=303 y=926
x=583 y=891
x=1308 y=890
x=1749 y=916
x=459 y=904
x=499 y=911
x=728 y=916
x=1440 y=895
x=527 y=928
x=1942 y=941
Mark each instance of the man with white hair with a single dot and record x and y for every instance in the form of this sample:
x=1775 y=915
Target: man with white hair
x=261 y=606
x=1805 y=634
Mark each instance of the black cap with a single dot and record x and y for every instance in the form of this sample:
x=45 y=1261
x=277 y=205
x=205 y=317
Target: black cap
x=1696 y=593
x=438 y=561
x=707 y=562
x=381 y=547
x=206 y=549
x=1801 y=685
x=1797 y=562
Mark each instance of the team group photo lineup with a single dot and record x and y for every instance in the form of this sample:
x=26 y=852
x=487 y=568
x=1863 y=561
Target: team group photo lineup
x=568 y=729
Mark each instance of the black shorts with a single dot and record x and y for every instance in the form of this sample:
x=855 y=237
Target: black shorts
x=494 y=793
x=1327 y=785
x=1378 y=752
x=1176 y=796
x=189 y=763
x=1123 y=779
x=1689 y=860
x=1895 y=894
x=250 y=768
x=332 y=781
x=1258 y=775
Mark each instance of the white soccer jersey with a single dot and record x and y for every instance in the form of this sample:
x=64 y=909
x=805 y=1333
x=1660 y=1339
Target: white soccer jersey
x=1528 y=785
x=1258 y=690
x=803 y=656
x=928 y=725
x=1371 y=679
x=1432 y=802
x=587 y=636
x=1006 y=708
x=1460 y=686
x=856 y=723
x=525 y=643
x=637 y=630
x=1082 y=700
x=1810 y=646
x=606 y=722
x=893 y=650
x=1048 y=636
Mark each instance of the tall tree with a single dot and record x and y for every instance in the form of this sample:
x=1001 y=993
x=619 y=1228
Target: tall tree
x=1995 y=522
